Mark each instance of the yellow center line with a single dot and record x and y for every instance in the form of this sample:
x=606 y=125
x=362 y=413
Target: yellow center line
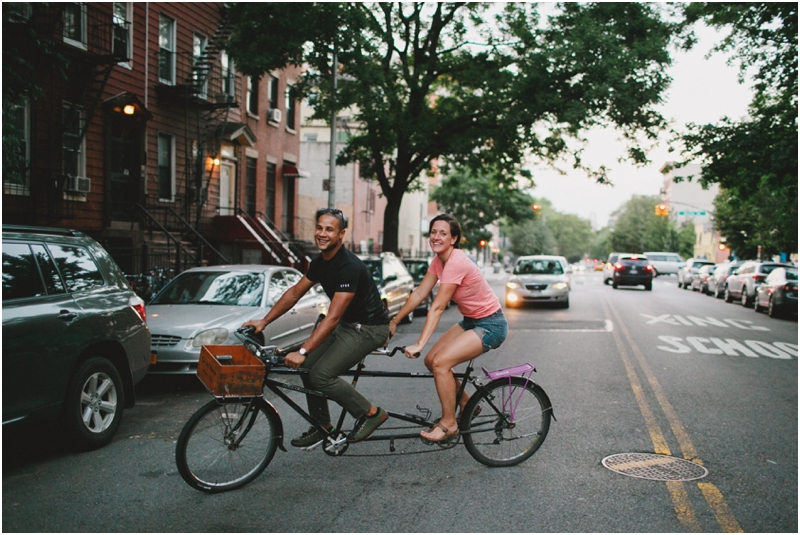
x=680 y=499
x=711 y=493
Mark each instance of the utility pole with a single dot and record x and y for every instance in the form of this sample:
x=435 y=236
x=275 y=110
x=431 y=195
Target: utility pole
x=332 y=165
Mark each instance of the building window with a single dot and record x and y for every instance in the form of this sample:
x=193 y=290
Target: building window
x=122 y=28
x=166 y=167
x=75 y=24
x=228 y=74
x=166 y=50
x=250 y=186
x=16 y=132
x=290 y=108
x=199 y=71
x=273 y=93
x=252 y=95
x=73 y=144
x=272 y=174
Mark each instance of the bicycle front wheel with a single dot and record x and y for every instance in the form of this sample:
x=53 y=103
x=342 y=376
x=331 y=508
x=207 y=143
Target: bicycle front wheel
x=226 y=444
x=506 y=422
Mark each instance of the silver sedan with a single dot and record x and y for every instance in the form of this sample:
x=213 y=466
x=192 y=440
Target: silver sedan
x=538 y=279
x=203 y=306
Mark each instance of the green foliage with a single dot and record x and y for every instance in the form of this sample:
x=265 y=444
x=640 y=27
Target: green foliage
x=423 y=89
x=754 y=161
x=532 y=237
x=638 y=229
x=478 y=199
x=600 y=244
x=571 y=233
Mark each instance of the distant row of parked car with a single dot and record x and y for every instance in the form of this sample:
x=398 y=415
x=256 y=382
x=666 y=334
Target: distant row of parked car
x=764 y=286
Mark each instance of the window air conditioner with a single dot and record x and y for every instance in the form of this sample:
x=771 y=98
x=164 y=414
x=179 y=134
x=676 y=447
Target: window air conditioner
x=79 y=184
x=275 y=115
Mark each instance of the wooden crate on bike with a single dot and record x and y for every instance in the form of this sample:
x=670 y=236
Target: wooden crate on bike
x=230 y=371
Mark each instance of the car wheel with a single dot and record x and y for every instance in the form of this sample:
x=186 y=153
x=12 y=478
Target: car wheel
x=655 y=273
x=756 y=306
x=744 y=299
x=94 y=404
x=772 y=310
x=648 y=287
x=607 y=282
x=614 y=285
x=728 y=296
x=565 y=304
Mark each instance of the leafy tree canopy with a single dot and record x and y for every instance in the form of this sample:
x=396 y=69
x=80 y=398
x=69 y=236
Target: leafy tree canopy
x=639 y=229
x=462 y=82
x=478 y=199
x=754 y=160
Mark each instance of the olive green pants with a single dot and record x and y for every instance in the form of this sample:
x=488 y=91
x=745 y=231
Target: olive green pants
x=343 y=349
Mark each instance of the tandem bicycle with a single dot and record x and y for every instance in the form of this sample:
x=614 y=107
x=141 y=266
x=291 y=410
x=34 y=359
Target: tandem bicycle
x=230 y=441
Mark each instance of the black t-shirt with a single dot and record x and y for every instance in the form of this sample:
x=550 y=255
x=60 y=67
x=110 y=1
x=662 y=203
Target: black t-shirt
x=345 y=272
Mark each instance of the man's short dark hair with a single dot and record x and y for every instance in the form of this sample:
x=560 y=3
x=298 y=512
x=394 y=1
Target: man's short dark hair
x=335 y=212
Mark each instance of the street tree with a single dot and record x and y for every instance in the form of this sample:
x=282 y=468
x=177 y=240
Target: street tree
x=754 y=160
x=465 y=83
x=532 y=237
x=639 y=229
x=571 y=233
x=478 y=199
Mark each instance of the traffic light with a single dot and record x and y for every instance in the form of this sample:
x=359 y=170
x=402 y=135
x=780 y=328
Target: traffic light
x=483 y=243
x=662 y=210
x=535 y=207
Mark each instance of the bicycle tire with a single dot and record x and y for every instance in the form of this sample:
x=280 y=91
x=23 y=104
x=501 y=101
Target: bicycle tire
x=227 y=444
x=502 y=441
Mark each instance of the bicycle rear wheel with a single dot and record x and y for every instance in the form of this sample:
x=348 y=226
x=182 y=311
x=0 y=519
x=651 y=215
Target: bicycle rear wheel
x=227 y=444
x=511 y=424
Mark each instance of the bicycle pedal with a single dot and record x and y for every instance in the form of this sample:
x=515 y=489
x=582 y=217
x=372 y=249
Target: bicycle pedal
x=312 y=446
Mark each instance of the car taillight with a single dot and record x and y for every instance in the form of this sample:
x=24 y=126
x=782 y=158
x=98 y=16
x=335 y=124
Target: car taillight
x=618 y=266
x=648 y=267
x=137 y=305
x=758 y=277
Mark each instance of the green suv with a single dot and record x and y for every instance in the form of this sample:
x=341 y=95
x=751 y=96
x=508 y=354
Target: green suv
x=75 y=341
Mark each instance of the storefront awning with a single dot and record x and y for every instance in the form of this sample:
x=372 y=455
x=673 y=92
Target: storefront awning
x=292 y=171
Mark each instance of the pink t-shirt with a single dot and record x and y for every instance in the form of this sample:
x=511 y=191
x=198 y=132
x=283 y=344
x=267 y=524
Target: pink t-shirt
x=474 y=297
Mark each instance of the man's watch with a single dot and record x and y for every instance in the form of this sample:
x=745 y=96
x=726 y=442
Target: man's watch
x=302 y=351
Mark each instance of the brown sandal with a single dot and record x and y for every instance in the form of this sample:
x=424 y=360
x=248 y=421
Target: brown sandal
x=448 y=434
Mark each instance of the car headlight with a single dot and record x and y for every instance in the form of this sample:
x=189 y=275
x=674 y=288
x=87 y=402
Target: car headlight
x=511 y=285
x=209 y=337
x=560 y=286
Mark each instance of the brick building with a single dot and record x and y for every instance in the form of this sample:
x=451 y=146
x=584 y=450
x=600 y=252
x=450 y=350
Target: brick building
x=153 y=143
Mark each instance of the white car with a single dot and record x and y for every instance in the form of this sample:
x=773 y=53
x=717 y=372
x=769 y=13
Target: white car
x=539 y=279
x=665 y=263
x=204 y=305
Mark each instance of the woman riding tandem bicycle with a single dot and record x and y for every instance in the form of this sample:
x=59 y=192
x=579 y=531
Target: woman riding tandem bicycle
x=483 y=328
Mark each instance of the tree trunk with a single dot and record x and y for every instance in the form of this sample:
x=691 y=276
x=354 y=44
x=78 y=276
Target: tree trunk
x=391 y=220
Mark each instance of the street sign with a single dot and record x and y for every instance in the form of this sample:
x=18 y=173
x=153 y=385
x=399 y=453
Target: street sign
x=691 y=213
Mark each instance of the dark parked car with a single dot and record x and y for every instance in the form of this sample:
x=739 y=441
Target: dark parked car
x=778 y=293
x=393 y=280
x=417 y=268
x=689 y=269
x=632 y=270
x=716 y=283
x=75 y=341
x=744 y=282
x=700 y=279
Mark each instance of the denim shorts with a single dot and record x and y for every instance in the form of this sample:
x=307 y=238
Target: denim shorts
x=492 y=330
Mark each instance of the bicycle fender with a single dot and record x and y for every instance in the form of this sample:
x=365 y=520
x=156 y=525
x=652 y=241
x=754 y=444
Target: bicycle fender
x=278 y=423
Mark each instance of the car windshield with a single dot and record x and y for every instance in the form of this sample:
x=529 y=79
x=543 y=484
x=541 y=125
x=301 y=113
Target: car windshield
x=538 y=267
x=791 y=274
x=374 y=268
x=213 y=288
x=417 y=268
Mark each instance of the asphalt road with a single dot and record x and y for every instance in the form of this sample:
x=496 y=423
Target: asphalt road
x=628 y=371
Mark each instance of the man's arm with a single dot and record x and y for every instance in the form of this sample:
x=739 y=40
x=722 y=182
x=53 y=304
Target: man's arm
x=289 y=298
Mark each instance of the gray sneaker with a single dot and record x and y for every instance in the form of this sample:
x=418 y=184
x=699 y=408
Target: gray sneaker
x=309 y=438
x=366 y=425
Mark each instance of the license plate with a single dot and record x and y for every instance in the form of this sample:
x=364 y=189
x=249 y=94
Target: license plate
x=634 y=271
x=153 y=357
x=536 y=292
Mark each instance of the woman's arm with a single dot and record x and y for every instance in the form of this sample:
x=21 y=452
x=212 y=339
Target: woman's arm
x=443 y=297
x=416 y=297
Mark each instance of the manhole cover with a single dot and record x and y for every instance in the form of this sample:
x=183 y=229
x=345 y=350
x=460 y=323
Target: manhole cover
x=654 y=466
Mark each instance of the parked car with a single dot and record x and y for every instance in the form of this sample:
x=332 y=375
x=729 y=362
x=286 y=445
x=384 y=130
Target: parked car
x=716 y=283
x=744 y=282
x=689 y=269
x=205 y=305
x=664 y=263
x=778 y=294
x=700 y=279
x=633 y=270
x=538 y=279
x=75 y=341
x=608 y=267
x=394 y=281
x=417 y=268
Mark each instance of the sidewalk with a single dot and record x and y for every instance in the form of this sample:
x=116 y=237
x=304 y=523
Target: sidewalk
x=490 y=275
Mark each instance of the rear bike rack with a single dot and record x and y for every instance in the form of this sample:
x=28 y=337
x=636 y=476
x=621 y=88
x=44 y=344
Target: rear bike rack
x=523 y=370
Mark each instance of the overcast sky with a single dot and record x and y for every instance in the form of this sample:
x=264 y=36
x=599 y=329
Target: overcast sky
x=702 y=91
